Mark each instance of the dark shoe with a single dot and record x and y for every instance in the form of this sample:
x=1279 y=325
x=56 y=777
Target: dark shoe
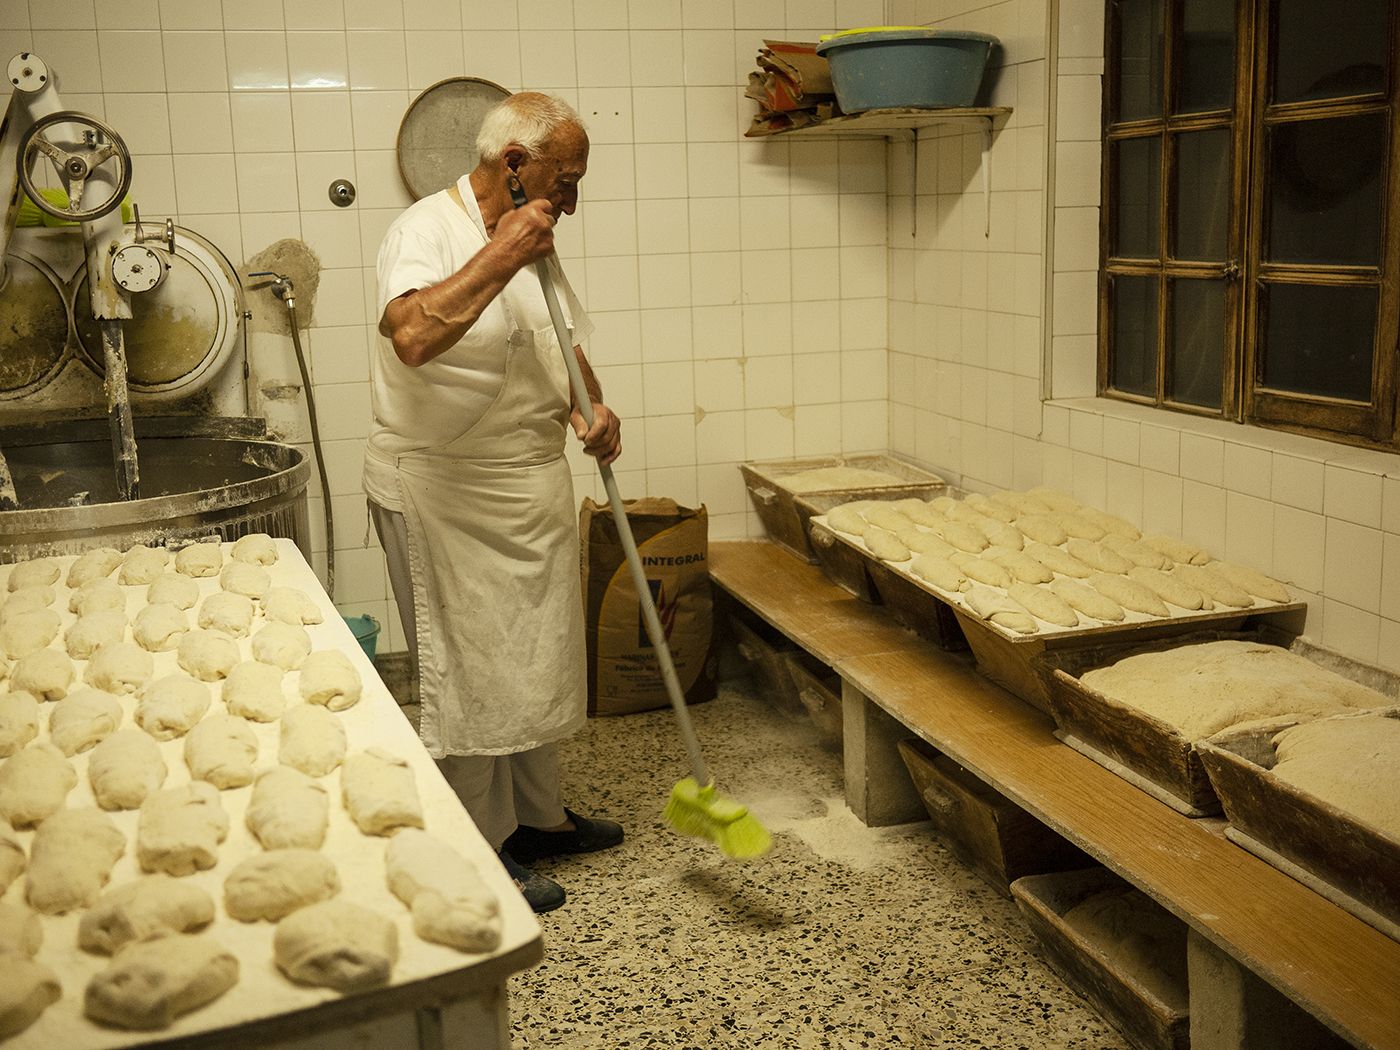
x=589 y=836
x=540 y=893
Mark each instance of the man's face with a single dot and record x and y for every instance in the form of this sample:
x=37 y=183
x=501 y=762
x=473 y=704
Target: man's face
x=554 y=175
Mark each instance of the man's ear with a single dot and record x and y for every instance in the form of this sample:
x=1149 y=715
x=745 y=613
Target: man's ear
x=513 y=156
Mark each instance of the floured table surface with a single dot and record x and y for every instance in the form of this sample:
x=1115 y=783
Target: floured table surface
x=425 y=973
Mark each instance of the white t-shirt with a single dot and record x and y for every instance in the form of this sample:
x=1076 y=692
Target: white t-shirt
x=431 y=405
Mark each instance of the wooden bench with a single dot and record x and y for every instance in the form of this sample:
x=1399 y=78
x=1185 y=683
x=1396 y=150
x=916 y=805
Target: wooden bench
x=1245 y=917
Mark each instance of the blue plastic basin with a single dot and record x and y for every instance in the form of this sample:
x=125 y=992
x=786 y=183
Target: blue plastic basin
x=365 y=628
x=906 y=68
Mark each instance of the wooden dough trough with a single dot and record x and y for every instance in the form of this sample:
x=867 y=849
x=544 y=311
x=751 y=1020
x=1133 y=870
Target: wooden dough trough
x=1134 y=1009
x=1350 y=862
x=1005 y=656
x=785 y=513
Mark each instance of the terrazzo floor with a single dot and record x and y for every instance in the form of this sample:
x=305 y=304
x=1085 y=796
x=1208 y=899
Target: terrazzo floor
x=842 y=937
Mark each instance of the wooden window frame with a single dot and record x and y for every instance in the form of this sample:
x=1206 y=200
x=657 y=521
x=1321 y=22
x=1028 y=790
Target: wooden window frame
x=1243 y=397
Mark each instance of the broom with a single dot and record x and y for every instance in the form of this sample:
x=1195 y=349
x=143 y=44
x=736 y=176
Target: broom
x=695 y=808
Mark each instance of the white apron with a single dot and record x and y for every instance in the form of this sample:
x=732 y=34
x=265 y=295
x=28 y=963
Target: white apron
x=493 y=547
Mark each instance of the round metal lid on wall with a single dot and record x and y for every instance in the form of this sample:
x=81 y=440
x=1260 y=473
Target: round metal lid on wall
x=437 y=137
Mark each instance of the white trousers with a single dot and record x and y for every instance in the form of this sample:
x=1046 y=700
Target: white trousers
x=500 y=792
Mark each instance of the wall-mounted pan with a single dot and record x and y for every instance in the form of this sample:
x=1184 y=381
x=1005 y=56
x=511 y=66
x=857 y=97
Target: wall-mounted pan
x=437 y=137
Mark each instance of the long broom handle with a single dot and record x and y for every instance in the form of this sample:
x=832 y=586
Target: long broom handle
x=624 y=533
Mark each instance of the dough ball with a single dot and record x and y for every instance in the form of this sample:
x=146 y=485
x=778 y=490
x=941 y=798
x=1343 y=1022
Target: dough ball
x=290 y=605
x=27 y=989
x=37 y=572
x=34 y=784
x=884 y=544
x=921 y=541
x=1099 y=557
x=1043 y=528
x=312 y=740
x=1056 y=560
x=1214 y=585
x=848 y=520
x=207 y=655
x=884 y=515
x=93 y=565
x=450 y=903
x=336 y=944
x=1078 y=527
x=142 y=565
x=1111 y=524
x=1043 y=604
x=998 y=609
x=19 y=722
x=1137 y=552
x=330 y=679
x=221 y=750
x=1177 y=550
x=83 y=719
x=965 y=536
x=274 y=884
x=1252 y=581
x=151 y=983
x=121 y=668
x=173 y=587
x=227 y=612
x=282 y=644
x=178 y=830
x=150 y=906
x=1085 y=599
x=256 y=548
x=981 y=570
x=199 y=559
x=90 y=632
x=253 y=691
x=1169 y=588
x=990 y=507
x=46 y=673
x=71 y=859
x=26 y=598
x=1056 y=500
x=288 y=810
x=1020 y=564
x=239 y=577
x=940 y=572
x=159 y=628
x=20 y=930
x=169 y=706
x=97 y=595
x=12 y=858
x=28 y=631
x=380 y=793
x=1130 y=594
x=125 y=768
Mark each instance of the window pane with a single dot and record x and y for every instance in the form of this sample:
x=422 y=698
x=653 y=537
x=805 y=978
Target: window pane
x=1318 y=339
x=1197 y=342
x=1137 y=196
x=1329 y=49
x=1207 y=76
x=1202 y=195
x=1139 y=93
x=1133 y=353
x=1325 y=190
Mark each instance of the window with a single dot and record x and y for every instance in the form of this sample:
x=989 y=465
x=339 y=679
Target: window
x=1250 y=243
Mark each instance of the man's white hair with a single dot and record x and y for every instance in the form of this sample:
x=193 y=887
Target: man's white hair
x=527 y=118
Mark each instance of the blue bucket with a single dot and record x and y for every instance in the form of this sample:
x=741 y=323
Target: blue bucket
x=906 y=67
x=365 y=628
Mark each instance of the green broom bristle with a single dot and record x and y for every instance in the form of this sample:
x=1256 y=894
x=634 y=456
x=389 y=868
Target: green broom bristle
x=699 y=811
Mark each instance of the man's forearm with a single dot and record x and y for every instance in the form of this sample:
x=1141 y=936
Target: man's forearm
x=590 y=381
x=429 y=321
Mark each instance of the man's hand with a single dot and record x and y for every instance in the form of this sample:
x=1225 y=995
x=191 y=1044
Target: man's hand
x=603 y=440
x=525 y=234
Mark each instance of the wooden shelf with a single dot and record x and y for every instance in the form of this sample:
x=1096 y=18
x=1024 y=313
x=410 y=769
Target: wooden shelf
x=1337 y=968
x=886 y=123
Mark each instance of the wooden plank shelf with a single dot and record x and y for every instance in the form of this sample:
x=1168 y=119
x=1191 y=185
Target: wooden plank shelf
x=1331 y=964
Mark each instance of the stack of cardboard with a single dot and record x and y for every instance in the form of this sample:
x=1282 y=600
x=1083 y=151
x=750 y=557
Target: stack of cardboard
x=792 y=87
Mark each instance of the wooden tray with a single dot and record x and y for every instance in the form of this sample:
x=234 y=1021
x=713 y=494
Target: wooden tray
x=984 y=829
x=1351 y=863
x=1144 y=1019
x=766 y=661
x=818 y=689
x=1005 y=656
x=785 y=513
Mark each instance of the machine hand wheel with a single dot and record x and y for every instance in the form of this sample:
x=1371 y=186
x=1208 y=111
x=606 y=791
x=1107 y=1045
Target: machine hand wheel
x=75 y=163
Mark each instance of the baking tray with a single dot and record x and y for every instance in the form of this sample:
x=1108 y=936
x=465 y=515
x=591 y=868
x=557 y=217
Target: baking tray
x=1141 y=749
x=1005 y=656
x=1351 y=863
x=785 y=513
x=1146 y=1020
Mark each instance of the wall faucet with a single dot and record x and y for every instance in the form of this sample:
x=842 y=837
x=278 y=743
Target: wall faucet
x=281 y=286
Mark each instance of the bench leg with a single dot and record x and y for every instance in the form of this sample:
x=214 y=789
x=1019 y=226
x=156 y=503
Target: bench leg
x=1231 y=1009
x=878 y=787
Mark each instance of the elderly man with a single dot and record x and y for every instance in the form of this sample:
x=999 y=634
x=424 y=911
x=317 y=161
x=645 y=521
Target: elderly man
x=468 y=485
